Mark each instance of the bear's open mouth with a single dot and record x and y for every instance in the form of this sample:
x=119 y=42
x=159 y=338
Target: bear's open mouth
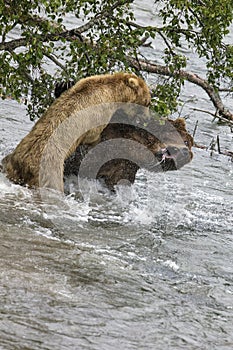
x=167 y=160
x=171 y=158
x=167 y=155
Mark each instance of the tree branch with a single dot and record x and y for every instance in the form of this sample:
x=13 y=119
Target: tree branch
x=13 y=44
x=54 y=60
x=150 y=67
x=224 y=120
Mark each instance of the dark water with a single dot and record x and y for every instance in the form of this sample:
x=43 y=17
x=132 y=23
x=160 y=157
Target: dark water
x=149 y=268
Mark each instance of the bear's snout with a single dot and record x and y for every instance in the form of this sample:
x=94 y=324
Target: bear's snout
x=173 y=157
x=173 y=151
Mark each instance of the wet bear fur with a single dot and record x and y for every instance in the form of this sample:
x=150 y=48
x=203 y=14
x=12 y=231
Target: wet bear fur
x=23 y=165
x=168 y=143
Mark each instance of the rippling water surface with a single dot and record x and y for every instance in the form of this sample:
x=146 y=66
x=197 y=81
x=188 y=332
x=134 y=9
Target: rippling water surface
x=148 y=268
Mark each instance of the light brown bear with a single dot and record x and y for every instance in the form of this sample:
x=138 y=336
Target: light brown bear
x=38 y=160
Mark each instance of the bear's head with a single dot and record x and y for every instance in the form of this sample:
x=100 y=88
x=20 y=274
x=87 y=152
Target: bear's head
x=168 y=144
x=158 y=146
x=137 y=89
x=171 y=144
x=167 y=140
x=126 y=87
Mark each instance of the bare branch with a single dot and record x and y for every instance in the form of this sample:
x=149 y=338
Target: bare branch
x=211 y=147
x=13 y=44
x=164 y=29
x=167 y=43
x=189 y=76
x=230 y=122
x=230 y=90
x=54 y=60
x=224 y=120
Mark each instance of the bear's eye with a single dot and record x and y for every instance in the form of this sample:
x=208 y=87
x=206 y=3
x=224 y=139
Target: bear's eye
x=186 y=143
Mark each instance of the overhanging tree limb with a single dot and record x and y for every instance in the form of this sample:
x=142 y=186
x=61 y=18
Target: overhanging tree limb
x=150 y=67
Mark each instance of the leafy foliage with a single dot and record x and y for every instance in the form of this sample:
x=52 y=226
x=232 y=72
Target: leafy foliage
x=203 y=26
x=38 y=47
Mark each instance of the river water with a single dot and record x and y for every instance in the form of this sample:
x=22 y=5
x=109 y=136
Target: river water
x=148 y=268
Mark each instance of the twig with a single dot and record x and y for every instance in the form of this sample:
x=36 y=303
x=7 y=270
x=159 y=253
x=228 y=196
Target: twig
x=212 y=148
x=230 y=90
x=228 y=154
x=163 y=29
x=230 y=122
x=204 y=111
x=102 y=14
x=218 y=145
x=167 y=43
x=195 y=129
x=54 y=60
x=196 y=145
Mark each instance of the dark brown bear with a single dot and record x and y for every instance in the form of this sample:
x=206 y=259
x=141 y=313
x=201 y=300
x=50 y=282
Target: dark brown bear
x=127 y=145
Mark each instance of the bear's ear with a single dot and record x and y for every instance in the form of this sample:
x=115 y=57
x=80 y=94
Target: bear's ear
x=133 y=83
x=180 y=123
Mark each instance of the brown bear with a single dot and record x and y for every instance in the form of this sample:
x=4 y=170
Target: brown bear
x=38 y=160
x=129 y=144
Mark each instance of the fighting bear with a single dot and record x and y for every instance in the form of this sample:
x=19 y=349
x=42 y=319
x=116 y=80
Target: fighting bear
x=38 y=160
x=129 y=144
